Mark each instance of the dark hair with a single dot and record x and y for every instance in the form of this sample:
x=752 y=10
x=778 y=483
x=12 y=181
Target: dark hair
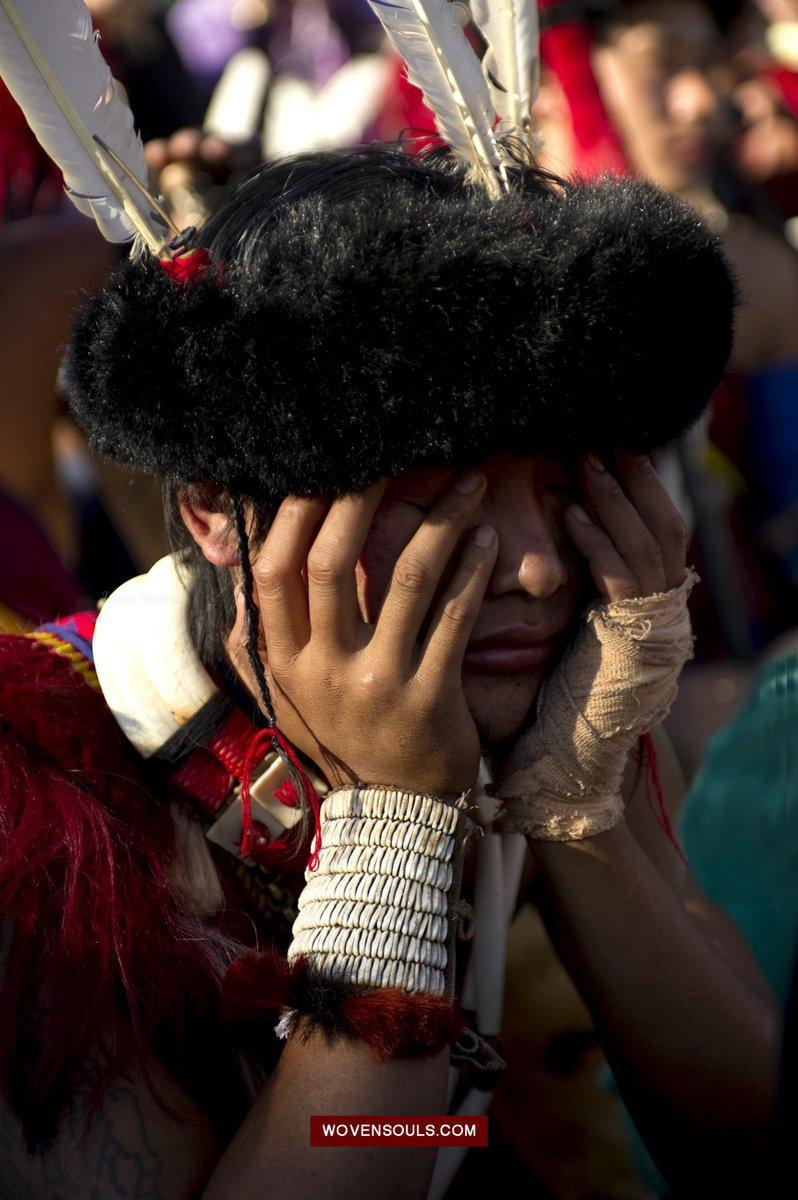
x=237 y=232
x=237 y=229
x=211 y=611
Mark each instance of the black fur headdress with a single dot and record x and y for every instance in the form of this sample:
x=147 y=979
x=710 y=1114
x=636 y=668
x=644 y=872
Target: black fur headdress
x=364 y=313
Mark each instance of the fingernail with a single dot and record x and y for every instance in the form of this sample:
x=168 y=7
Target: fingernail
x=595 y=462
x=468 y=483
x=484 y=535
x=579 y=514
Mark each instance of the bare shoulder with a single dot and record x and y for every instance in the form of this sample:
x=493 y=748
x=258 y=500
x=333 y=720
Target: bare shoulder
x=130 y=1149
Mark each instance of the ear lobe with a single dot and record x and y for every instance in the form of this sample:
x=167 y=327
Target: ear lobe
x=213 y=532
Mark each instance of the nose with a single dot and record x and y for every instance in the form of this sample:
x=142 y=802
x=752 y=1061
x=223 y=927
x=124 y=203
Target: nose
x=691 y=99
x=530 y=558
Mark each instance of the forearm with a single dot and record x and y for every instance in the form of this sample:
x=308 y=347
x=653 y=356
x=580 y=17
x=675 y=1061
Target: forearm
x=693 y=1046
x=271 y=1156
x=374 y=924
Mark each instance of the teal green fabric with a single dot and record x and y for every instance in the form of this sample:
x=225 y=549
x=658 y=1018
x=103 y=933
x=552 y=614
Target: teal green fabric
x=739 y=821
x=739 y=829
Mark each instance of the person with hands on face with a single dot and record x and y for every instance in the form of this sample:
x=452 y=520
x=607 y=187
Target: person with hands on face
x=679 y=1000
x=618 y=679
x=301 y=353
x=564 y=777
x=379 y=708
x=334 y=675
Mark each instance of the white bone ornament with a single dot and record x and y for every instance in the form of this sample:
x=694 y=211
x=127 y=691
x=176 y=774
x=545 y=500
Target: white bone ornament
x=154 y=683
x=151 y=675
x=276 y=816
x=499 y=866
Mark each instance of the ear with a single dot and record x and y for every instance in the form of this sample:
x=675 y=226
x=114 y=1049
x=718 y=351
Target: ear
x=209 y=522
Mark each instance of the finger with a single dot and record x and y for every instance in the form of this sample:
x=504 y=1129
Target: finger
x=650 y=497
x=453 y=623
x=332 y=586
x=214 y=151
x=421 y=566
x=615 y=513
x=611 y=575
x=156 y=155
x=184 y=144
x=279 y=583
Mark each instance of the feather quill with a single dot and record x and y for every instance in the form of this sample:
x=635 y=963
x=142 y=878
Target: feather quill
x=511 y=63
x=442 y=64
x=52 y=65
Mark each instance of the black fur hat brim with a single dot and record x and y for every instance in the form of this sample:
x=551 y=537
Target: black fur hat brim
x=372 y=334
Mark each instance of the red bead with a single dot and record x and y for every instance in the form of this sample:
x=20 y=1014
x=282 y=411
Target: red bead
x=262 y=834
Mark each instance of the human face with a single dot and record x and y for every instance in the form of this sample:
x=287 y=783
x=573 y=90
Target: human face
x=534 y=591
x=660 y=76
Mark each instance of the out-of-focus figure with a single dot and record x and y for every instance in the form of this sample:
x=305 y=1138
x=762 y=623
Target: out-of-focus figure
x=100 y=523
x=765 y=56
x=667 y=84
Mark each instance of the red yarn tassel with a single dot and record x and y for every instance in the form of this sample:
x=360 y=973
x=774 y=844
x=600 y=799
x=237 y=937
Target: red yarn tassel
x=260 y=745
x=310 y=795
x=187 y=266
x=256 y=750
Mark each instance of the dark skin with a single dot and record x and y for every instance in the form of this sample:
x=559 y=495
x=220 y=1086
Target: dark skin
x=683 y=990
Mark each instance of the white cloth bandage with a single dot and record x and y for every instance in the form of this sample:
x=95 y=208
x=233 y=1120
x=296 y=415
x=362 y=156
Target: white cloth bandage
x=615 y=682
x=378 y=909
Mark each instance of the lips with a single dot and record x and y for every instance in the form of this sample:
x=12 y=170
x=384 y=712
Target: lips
x=515 y=651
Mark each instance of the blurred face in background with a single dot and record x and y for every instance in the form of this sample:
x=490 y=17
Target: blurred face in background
x=766 y=145
x=660 y=74
x=778 y=10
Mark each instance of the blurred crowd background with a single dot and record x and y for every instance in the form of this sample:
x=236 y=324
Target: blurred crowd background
x=700 y=96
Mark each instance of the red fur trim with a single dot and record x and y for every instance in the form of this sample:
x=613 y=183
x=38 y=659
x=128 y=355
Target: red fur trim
x=392 y=1022
x=397 y=1024
x=255 y=984
x=100 y=944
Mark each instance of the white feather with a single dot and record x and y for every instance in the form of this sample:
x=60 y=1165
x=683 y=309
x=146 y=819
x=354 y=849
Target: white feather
x=442 y=64
x=52 y=66
x=512 y=60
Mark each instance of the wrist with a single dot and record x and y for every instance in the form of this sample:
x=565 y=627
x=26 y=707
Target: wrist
x=376 y=912
x=548 y=818
x=606 y=849
x=441 y=787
